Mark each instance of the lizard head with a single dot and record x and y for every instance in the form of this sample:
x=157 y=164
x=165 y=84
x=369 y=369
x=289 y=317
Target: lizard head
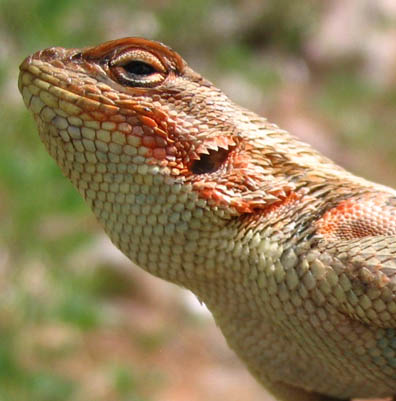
x=138 y=99
x=151 y=145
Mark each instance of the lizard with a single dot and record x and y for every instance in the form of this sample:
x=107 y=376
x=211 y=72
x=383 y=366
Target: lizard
x=294 y=256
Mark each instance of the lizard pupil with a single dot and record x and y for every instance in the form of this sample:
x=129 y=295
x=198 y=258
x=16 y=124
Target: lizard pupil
x=139 y=68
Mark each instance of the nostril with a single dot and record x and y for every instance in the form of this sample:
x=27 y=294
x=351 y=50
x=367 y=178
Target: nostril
x=49 y=54
x=76 y=56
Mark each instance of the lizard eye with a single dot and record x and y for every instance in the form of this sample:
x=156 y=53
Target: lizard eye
x=209 y=163
x=138 y=68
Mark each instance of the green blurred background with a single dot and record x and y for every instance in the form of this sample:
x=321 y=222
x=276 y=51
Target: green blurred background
x=77 y=320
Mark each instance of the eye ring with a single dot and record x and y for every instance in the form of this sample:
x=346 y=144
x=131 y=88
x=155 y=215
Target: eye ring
x=138 y=68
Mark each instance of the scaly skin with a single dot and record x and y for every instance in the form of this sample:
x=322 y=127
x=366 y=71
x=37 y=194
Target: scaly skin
x=294 y=256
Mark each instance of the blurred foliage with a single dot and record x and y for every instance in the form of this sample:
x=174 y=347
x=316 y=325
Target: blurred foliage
x=51 y=309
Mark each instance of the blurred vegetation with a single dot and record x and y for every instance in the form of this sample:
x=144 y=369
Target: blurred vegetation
x=58 y=301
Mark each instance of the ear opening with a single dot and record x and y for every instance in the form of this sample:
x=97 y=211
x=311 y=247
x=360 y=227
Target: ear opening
x=209 y=162
x=239 y=178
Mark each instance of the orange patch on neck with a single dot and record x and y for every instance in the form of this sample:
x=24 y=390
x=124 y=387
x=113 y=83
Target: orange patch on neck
x=358 y=218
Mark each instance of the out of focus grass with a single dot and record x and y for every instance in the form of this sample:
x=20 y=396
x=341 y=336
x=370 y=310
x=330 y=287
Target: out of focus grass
x=55 y=304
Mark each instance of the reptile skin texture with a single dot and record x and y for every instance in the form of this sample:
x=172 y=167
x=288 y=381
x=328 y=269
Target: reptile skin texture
x=294 y=256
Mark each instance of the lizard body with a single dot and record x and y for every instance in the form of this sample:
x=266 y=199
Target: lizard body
x=294 y=256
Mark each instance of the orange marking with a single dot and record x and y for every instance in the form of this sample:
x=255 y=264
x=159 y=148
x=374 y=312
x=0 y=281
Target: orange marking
x=159 y=153
x=148 y=121
x=357 y=218
x=149 y=141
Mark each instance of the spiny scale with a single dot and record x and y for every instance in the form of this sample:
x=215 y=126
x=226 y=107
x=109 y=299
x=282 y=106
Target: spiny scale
x=294 y=256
